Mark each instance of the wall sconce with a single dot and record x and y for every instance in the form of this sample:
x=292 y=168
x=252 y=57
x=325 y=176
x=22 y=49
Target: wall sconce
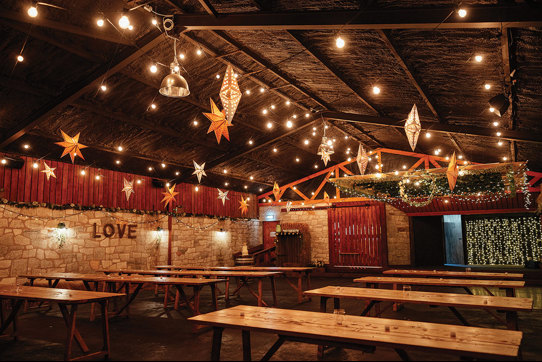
x=159 y=234
x=60 y=234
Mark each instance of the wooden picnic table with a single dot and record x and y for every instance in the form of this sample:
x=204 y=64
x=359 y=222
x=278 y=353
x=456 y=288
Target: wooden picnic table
x=68 y=301
x=452 y=274
x=355 y=332
x=507 y=305
x=300 y=273
x=243 y=278
x=508 y=285
x=115 y=283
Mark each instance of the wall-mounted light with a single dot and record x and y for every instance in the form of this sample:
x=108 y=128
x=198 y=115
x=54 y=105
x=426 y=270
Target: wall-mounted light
x=60 y=234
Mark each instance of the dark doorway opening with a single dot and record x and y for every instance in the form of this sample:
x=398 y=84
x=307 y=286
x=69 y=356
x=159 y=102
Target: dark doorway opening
x=428 y=241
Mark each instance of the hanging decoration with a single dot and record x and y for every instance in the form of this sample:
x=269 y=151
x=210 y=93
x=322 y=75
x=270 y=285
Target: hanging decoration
x=169 y=195
x=362 y=159
x=244 y=206
x=200 y=170
x=326 y=148
x=326 y=197
x=230 y=94
x=223 y=195
x=219 y=123
x=128 y=189
x=174 y=85
x=452 y=173
x=49 y=171
x=413 y=127
x=276 y=191
x=288 y=206
x=71 y=146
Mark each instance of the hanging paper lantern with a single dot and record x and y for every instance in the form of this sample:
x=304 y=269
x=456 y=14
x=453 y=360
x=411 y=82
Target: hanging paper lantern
x=230 y=94
x=452 y=173
x=362 y=159
x=276 y=191
x=413 y=127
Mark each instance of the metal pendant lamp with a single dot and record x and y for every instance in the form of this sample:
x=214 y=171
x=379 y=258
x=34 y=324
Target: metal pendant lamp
x=174 y=85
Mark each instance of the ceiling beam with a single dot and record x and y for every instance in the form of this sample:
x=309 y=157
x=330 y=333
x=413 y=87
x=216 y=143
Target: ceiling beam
x=208 y=7
x=67 y=28
x=511 y=135
x=80 y=87
x=518 y=16
x=506 y=52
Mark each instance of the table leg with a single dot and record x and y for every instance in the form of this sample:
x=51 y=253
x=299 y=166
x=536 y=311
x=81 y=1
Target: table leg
x=336 y=303
x=308 y=275
x=227 y=291
x=130 y=298
x=66 y=315
x=323 y=309
x=273 y=349
x=274 y=291
x=260 y=292
x=368 y=308
x=70 y=322
x=512 y=321
x=300 y=288
x=197 y=295
x=214 y=296
x=217 y=343
x=105 y=328
x=177 y=296
x=510 y=292
x=247 y=353
x=166 y=295
x=12 y=318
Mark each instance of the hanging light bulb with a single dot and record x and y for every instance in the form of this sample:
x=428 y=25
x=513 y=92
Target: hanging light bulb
x=154 y=68
x=103 y=87
x=100 y=22
x=124 y=22
x=35 y=165
x=339 y=42
x=20 y=58
x=32 y=11
x=289 y=124
x=376 y=90
x=462 y=13
x=174 y=85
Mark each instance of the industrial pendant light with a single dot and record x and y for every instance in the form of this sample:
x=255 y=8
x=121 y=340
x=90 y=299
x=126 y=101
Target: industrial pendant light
x=500 y=103
x=174 y=85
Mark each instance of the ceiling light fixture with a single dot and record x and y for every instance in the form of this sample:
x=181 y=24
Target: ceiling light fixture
x=500 y=104
x=174 y=85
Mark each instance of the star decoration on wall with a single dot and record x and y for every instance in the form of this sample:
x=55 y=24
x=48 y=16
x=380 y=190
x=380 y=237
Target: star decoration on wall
x=223 y=195
x=276 y=191
x=413 y=127
x=244 y=206
x=71 y=146
x=326 y=156
x=199 y=172
x=362 y=159
x=219 y=123
x=169 y=195
x=288 y=206
x=49 y=171
x=452 y=173
x=230 y=94
x=128 y=189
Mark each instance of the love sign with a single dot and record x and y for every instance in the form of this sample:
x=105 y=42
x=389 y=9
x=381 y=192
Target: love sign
x=109 y=231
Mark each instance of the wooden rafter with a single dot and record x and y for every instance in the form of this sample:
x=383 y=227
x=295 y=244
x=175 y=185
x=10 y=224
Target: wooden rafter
x=508 y=84
x=208 y=7
x=77 y=89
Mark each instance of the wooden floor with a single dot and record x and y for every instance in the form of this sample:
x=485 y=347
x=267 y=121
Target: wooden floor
x=151 y=333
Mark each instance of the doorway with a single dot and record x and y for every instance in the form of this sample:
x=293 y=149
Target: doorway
x=428 y=241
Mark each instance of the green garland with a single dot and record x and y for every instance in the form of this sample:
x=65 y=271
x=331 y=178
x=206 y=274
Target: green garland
x=34 y=204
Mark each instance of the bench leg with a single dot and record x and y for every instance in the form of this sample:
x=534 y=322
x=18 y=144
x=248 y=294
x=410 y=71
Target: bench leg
x=273 y=349
x=247 y=352
x=105 y=328
x=274 y=291
x=512 y=321
x=402 y=354
x=323 y=309
x=217 y=343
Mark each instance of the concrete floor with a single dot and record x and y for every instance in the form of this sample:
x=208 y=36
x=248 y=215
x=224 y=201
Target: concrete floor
x=151 y=333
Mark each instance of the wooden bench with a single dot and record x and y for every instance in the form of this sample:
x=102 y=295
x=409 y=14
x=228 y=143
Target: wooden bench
x=68 y=301
x=509 y=306
x=355 y=332
x=508 y=285
x=452 y=274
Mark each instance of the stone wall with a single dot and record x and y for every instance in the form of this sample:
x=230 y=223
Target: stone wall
x=398 y=229
x=30 y=243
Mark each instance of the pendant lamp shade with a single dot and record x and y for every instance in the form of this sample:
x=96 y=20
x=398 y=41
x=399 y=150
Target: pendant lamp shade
x=174 y=85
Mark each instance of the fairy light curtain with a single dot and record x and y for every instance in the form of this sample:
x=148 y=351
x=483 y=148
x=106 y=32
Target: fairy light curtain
x=502 y=240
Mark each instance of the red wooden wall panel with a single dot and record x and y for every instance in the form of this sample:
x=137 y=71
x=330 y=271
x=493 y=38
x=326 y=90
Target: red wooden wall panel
x=70 y=187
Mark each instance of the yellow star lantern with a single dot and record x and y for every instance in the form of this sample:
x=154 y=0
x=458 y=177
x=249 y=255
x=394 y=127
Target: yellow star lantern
x=244 y=206
x=219 y=123
x=413 y=127
x=230 y=94
x=452 y=173
x=326 y=197
x=169 y=196
x=71 y=146
x=276 y=191
x=49 y=171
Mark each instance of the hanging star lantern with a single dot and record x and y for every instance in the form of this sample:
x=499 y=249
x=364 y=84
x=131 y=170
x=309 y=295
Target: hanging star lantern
x=325 y=149
x=276 y=191
x=452 y=173
x=49 y=171
x=128 y=189
x=219 y=123
x=71 y=146
x=326 y=156
x=244 y=206
x=169 y=195
x=362 y=159
x=223 y=195
x=326 y=197
x=288 y=206
x=199 y=172
x=413 y=127
x=230 y=94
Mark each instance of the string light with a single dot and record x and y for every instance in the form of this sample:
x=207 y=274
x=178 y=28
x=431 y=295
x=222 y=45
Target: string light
x=163 y=165
x=139 y=182
x=117 y=162
x=100 y=22
x=251 y=178
x=196 y=188
x=124 y=22
x=120 y=148
x=250 y=142
x=264 y=111
x=4 y=161
x=218 y=76
x=153 y=106
x=479 y=58
x=487 y=86
x=247 y=92
x=103 y=88
x=153 y=68
x=195 y=123
x=272 y=106
x=339 y=42
x=98 y=177
x=462 y=13
x=150 y=169
x=199 y=52
x=154 y=21
x=500 y=143
x=496 y=124
x=32 y=11
x=288 y=103
x=177 y=173
x=262 y=89
x=275 y=150
x=269 y=125
x=427 y=135
x=376 y=90
x=289 y=124
x=225 y=171
x=297 y=159
x=83 y=172
x=20 y=58
x=182 y=56
x=306 y=142
x=499 y=134
x=35 y=165
x=491 y=109
x=26 y=146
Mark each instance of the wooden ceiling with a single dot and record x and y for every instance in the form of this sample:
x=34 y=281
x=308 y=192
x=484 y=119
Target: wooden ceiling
x=422 y=56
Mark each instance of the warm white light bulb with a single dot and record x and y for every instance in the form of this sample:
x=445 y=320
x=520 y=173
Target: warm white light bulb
x=306 y=142
x=225 y=171
x=487 y=86
x=32 y=11
x=247 y=92
x=197 y=188
x=491 y=109
x=250 y=142
x=124 y=22
x=163 y=165
x=103 y=87
x=479 y=58
x=120 y=148
x=20 y=58
x=339 y=42
x=26 y=146
x=462 y=13
x=428 y=135
x=154 y=22
x=195 y=123
x=264 y=111
x=35 y=165
x=130 y=27
x=153 y=106
x=376 y=90
x=83 y=172
x=100 y=22
x=269 y=125
x=500 y=143
x=199 y=52
x=289 y=124
x=495 y=124
x=275 y=150
x=117 y=162
x=182 y=56
x=154 y=68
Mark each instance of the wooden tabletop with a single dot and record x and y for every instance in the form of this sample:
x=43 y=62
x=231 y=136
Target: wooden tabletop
x=208 y=273
x=67 y=296
x=452 y=274
x=444 y=282
x=240 y=268
x=121 y=279
x=467 y=341
x=442 y=299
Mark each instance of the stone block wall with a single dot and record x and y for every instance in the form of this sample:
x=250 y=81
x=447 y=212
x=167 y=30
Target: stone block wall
x=30 y=243
x=398 y=230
